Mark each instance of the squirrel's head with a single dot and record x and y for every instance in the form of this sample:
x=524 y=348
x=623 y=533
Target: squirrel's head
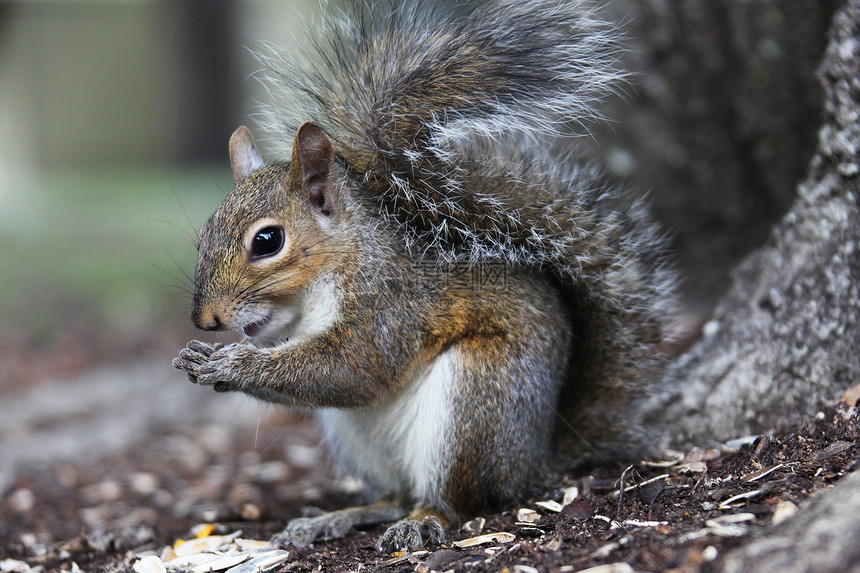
x=271 y=236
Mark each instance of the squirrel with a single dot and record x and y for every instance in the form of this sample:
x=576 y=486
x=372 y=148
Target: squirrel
x=465 y=307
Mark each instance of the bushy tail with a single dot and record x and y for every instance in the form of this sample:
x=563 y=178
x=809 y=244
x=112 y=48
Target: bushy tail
x=420 y=96
x=409 y=90
x=388 y=77
x=441 y=113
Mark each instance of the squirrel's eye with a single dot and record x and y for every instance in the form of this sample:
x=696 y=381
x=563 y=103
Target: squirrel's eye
x=267 y=242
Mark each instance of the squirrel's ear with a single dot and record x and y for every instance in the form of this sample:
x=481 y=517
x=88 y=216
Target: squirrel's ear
x=314 y=155
x=244 y=157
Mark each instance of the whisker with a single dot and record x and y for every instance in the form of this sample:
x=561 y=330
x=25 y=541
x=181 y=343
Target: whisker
x=196 y=237
x=182 y=270
x=249 y=293
x=251 y=287
x=321 y=241
x=183 y=232
x=184 y=281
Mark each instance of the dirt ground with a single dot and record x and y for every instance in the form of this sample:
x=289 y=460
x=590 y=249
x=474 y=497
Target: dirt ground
x=681 y=513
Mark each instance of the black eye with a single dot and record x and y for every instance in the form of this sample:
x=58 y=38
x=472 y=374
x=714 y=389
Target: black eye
x=267 y=242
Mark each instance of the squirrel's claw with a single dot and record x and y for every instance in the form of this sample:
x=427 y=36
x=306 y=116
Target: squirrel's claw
x=203 y=348
x=193 y=356
x=227 y=368
x=410 y=534
x=303 y=531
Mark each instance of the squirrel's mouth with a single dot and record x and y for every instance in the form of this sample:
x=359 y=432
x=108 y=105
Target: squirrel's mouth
x=254 y=328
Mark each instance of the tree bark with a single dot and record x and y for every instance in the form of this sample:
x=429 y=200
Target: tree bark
x=821 y=538
x=784 y=340
x=720 y=121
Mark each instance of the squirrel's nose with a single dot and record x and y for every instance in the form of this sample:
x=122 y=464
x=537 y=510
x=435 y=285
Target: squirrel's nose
x=206 y=319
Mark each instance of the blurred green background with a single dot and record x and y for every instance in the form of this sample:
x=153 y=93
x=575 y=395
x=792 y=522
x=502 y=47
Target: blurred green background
x=114 y=122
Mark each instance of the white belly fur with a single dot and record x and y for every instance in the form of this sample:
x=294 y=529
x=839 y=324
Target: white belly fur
x=398 y=447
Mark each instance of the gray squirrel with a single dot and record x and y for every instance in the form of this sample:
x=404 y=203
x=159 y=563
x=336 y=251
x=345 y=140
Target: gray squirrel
x=465 y=307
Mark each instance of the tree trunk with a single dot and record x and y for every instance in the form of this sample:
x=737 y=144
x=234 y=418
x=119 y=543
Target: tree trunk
x=784 y=340
x=821 y=538
x=719 y=124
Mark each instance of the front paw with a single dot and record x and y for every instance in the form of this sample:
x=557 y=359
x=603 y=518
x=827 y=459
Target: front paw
x=230 y=368
x=193 y=356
